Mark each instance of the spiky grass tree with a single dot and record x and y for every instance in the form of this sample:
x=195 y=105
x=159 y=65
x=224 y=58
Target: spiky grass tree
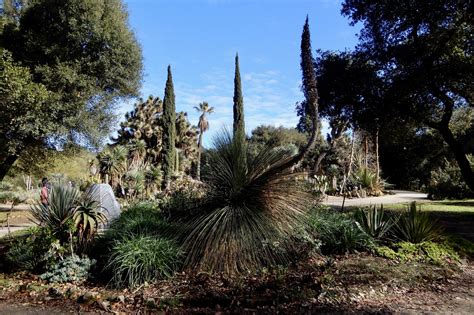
x=203 y=126
x=250 y=207
x=253 y=200
x=169 y=130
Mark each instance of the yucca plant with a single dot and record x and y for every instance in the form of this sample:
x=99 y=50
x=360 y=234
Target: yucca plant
x=374 y=221
x=416 y=226
x=338 y=232
x=365 y=177
x=251 y=202
x=69 y=214
x=58 y=215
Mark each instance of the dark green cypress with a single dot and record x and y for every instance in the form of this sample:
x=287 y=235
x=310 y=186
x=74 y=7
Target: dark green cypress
x=239 y=124
x=309 y=75
x=169 y=130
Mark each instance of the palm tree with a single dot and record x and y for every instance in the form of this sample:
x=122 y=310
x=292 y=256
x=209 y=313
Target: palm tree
x=113 y=163
x=203 y=125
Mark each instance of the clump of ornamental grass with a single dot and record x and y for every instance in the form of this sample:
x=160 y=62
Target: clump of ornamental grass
x=253 y=201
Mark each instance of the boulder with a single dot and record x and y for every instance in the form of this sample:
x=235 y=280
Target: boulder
x=104 y=195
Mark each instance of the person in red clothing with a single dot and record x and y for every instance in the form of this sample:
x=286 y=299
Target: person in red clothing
x=44 y=195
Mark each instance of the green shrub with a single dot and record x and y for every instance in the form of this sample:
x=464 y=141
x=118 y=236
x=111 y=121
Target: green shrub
x=7 y=196
x=461 y=245
x=374 y=221
x=436 y=253
x=447 y=183
x=416 y=226
x=71 y=269
x=143 y=218
x=338 y=232
x=136 y=259
x=36 y=251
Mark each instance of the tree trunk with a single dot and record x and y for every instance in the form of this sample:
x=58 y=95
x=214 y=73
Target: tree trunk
x=198 y=166
x=6 y=165
x=317 y=164
x=348 y=172
x=461 y=158
x=443 y=127
x=377 y=161
x=351 y=159
x=366 y=150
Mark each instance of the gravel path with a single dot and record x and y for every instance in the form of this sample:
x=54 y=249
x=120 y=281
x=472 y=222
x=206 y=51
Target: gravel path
x=399 y=196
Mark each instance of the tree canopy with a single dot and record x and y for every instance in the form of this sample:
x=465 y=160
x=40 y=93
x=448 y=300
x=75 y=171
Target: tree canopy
x=82 y=54
x=423 y=49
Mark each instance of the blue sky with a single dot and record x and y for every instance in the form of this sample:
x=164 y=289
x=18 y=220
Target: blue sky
x=200 y=38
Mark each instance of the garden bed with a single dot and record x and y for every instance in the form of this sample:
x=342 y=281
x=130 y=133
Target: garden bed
x=350 y=283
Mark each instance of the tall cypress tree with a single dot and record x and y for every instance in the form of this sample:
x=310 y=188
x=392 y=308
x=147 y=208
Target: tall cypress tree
x=169 y=130
x=309 y=87
x=239 y=124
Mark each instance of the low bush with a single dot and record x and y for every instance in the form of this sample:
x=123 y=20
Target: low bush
x=135 y=259
x=416 y=226
x=137 y=248
x=375 y=222
x=338 y=232
x=447 y=183
x=142 y=218
x=71 y=269
x=461 y=245
x=36 y=251
x=436 y=253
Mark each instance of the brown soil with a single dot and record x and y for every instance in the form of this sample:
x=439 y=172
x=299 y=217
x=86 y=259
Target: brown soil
x=352 y=284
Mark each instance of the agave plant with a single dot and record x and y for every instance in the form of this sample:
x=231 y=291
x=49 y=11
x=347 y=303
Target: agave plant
x=374 y=221
x=252 y=202
x=416 y=226
x=88 y=215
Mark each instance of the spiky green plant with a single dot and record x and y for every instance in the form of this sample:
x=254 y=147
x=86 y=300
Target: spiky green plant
x=57 y=216
x=252 y=202
x=374 y=221
x=338 y=232
x=365 y=177
x=88 y=215
x=416 y=226
x=113 y=162
x=68 y=214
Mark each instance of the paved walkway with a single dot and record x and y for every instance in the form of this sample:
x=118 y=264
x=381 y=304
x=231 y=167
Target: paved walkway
x=399 y=196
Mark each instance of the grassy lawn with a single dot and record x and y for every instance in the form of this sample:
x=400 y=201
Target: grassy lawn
x=438 y=206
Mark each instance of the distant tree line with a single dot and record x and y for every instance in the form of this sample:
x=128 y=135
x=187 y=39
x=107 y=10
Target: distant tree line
x=407 y=86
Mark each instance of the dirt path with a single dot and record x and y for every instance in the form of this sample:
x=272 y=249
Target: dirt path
x=19 y=218
x=399 y=196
